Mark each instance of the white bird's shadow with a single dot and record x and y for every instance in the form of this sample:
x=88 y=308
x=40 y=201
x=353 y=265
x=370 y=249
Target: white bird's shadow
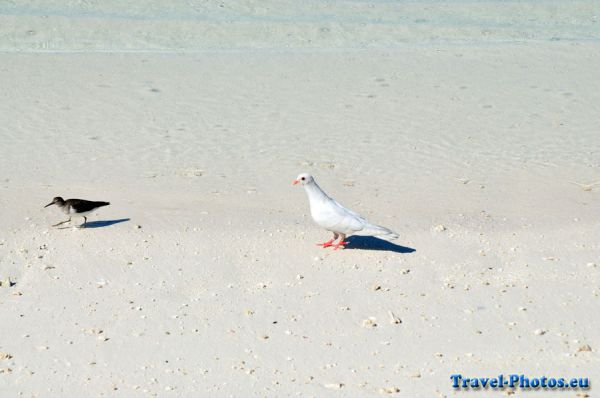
x=373 y=243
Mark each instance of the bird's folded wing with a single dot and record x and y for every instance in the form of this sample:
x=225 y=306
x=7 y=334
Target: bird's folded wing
x=86 y=205
x=361 y=226
x=343 y=219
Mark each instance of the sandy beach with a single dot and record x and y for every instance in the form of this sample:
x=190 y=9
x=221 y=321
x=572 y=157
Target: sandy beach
x=202 y=278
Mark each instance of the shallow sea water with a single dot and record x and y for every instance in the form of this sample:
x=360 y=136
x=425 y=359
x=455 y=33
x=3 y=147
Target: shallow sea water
x=53 y=25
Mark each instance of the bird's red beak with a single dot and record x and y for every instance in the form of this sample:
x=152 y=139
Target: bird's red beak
x=295 y=182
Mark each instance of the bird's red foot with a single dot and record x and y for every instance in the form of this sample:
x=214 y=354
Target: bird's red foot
x=339 y=244
x=326 y=244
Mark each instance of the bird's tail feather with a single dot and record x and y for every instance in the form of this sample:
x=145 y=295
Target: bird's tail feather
x=379 y=232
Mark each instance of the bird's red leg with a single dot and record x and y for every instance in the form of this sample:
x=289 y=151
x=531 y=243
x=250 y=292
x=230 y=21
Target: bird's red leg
x=326 y=244
x=341 y=243
x=329 y=242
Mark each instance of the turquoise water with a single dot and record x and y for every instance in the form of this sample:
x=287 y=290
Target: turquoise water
x=114 y=25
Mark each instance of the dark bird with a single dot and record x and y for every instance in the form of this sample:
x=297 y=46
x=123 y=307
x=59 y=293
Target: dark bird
x=76 y=208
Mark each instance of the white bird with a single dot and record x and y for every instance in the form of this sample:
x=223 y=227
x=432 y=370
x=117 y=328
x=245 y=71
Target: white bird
x=334 y=217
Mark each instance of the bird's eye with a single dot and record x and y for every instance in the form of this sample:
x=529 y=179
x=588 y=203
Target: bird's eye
x=303 y=178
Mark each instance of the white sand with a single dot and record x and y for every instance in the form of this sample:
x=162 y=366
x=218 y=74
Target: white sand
x=469 y=152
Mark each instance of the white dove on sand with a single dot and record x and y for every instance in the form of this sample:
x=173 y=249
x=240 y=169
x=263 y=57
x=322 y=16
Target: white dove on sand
x=334 y=217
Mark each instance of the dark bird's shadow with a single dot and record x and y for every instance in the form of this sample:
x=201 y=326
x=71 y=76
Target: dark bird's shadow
x=105 y=223
x=373 y=243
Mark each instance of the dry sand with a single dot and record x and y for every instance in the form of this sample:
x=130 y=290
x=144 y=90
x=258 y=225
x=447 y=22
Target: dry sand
x=203 y=278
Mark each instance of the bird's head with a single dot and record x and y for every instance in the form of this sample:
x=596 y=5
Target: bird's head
x=304 y=179
x=56 y=201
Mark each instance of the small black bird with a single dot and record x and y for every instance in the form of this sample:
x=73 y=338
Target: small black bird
x=76 y=207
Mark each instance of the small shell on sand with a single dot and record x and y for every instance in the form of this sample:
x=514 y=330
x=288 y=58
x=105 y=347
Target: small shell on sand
x=394 y=320
x=585 y=186
x=585 y=348
x=101 y=283
x=191 y=172
x=7 y=282
x=389 y=390
x=98 y=332
x=327 y=165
